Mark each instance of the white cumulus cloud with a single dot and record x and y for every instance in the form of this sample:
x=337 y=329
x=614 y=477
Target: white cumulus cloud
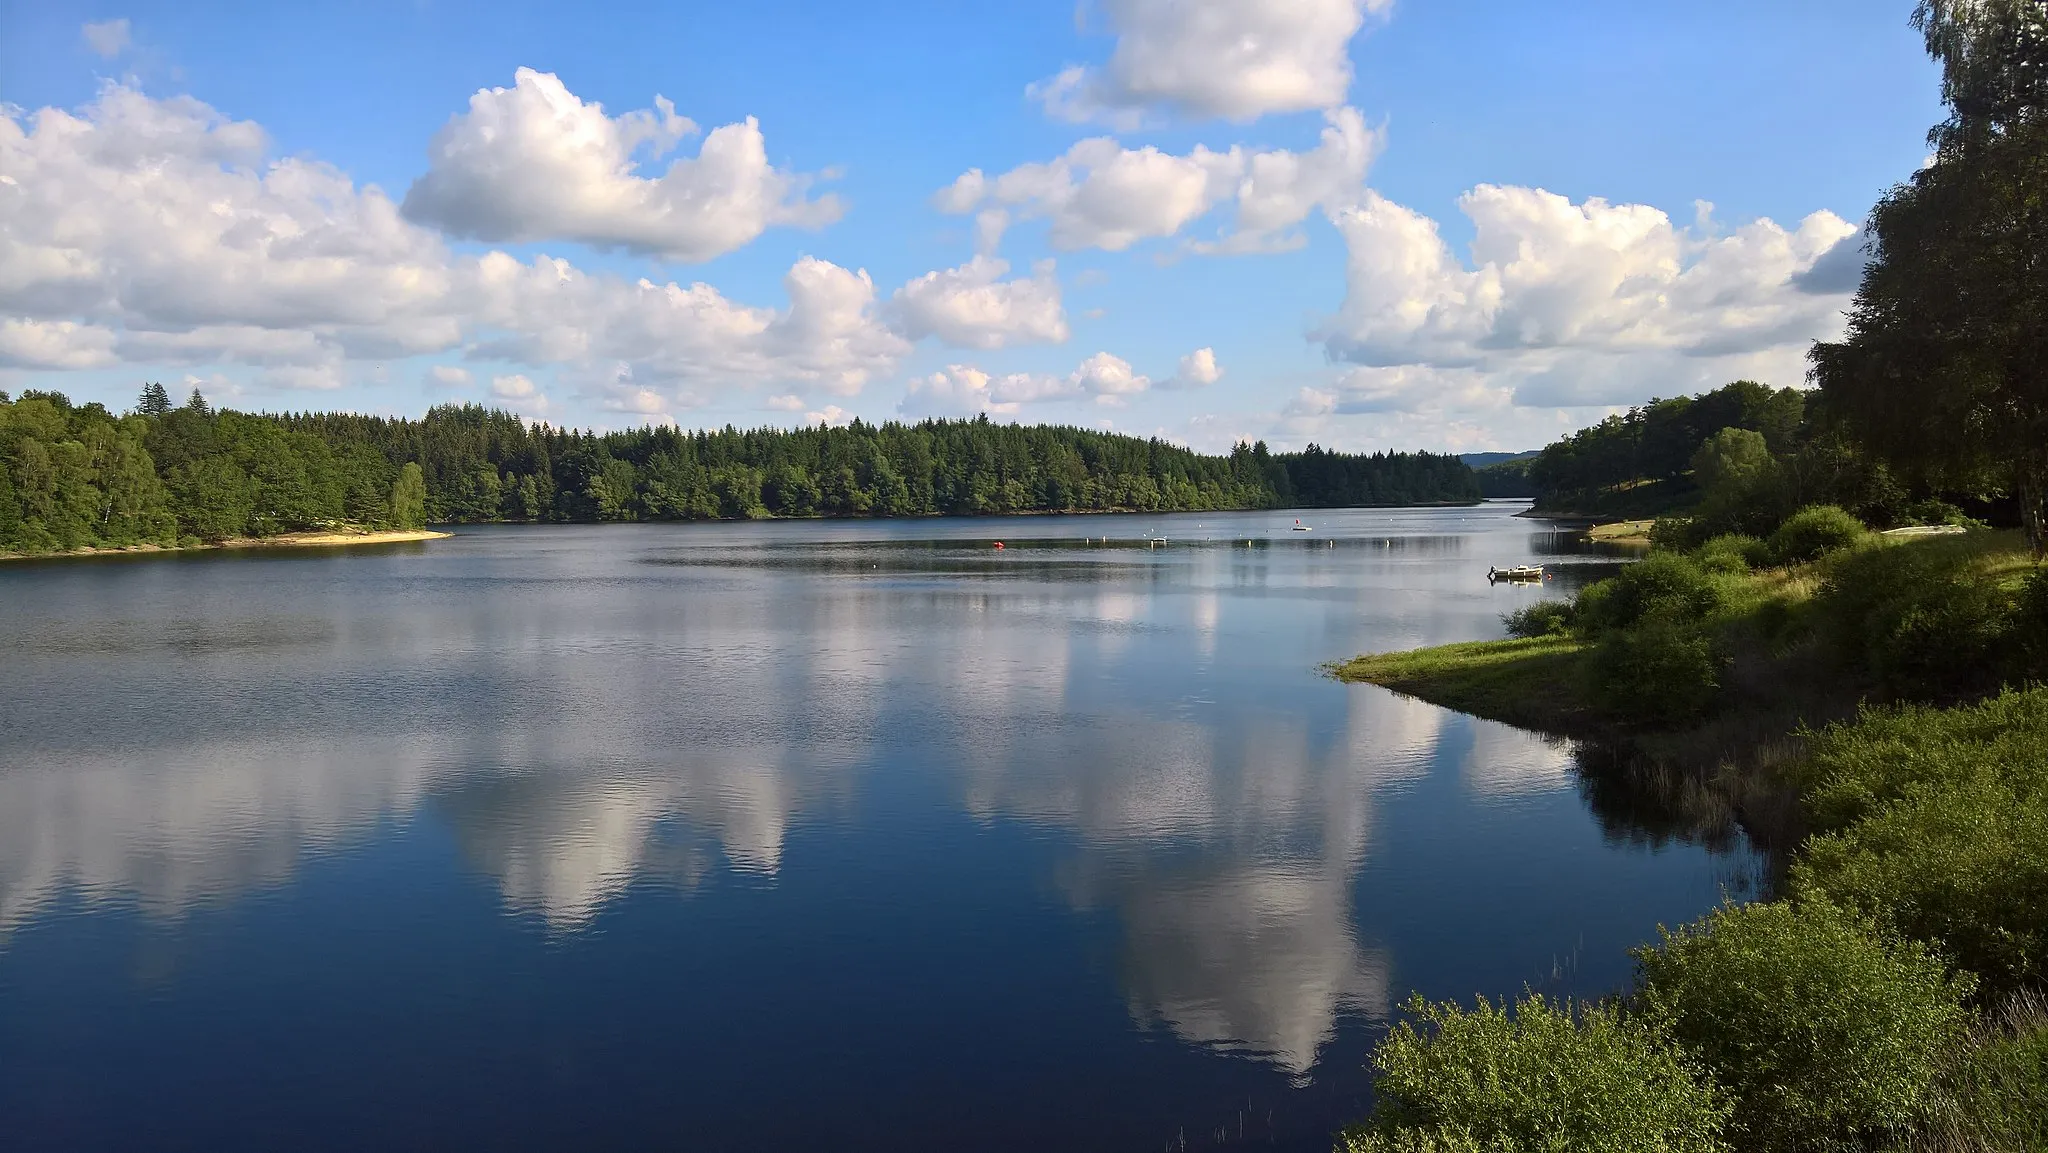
x=1582 y=303
x=964 y=390
x=518 y=392
x=1198 y=369
x=1236 y=59
x=534 y=162
x=1099 y=194
x=157 y=232
x=54 y=344
x=973 y=307
x=956 y=390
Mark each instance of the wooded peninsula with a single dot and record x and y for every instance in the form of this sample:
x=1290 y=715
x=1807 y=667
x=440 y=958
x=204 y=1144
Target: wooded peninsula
x=76 y=477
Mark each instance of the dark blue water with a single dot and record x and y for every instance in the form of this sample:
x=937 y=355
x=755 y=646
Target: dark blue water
x=859 y=836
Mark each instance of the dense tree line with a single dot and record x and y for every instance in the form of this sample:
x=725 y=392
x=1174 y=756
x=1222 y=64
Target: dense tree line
x=79 y=475
x=1657 y=441
x=1741 y=458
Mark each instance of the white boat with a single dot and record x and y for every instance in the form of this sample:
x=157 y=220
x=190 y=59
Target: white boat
x=1520 y=572
x=1300 y=527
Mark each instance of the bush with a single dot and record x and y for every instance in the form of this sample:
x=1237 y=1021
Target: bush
x=1826 y=1032
x=1664 y=670
x=1676 y=533
x=1361 y=1140
x=1731 y=554
x=1963 y=863
x=1814 y=532
x=1934 y=511
x=1542 y=619
x=1544 y=1078
x=1853 y=770
x=1661 y=582
x=2000 y=1090
x=2030 y=626
x=1922 y=617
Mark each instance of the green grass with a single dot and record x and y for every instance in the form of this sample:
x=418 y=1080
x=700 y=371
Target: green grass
x=1532 y=683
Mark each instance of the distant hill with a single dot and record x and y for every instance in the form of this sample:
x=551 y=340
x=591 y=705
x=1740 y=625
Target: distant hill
x=1482 y=459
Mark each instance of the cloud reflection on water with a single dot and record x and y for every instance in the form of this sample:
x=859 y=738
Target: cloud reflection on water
x=662 y=730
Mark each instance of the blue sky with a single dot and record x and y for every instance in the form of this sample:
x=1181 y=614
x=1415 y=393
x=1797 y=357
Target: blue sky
x=1369 y=224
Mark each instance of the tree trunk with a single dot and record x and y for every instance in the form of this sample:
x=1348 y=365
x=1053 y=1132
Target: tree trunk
x=2033 y=488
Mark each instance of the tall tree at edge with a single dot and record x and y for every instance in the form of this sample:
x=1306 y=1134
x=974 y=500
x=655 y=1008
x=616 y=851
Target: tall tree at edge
x=1944 y=369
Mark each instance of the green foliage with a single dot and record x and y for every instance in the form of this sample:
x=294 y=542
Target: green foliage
x=1663 y=667
x=1853 y=770
x=1926 y=618
x=1507 y=478
x=1445 y=1140
x=1936 y=820
x=1997 y=1093
x=1827 y=1032
x=1659 y=440
x=1729 y=462
x=1545 y=1077
x=1663 y=582
x=1730 y=554
x=74 y=476
x=1963 y=862
x=1814 y=532
x=409 y=497
x=155 y=400
x=1940 y=370
x=1542 y=619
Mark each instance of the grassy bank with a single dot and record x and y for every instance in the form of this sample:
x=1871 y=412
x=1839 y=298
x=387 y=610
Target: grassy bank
x=332 y=538
x=1873 y=706
x=1532 y=682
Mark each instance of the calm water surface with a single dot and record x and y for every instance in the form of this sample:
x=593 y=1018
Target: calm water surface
x=850 y=836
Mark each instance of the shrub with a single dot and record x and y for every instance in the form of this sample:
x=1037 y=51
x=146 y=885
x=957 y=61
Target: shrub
x=1996 y=1092
x=1935 y=511
x=1662 y=581
x=1665 y=669
x=1814 y=532
x=1961 y=863
x=2030 y=626
x=1676 y=533
x=1853 y=770
x=1731 y=554
x=1361 y=1140
x=1922 y=617
x=1542 y=619
x=1826 y=1032
x=1542 y=1078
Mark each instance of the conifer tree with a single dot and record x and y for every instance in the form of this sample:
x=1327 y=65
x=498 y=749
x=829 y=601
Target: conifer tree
x=156 y=401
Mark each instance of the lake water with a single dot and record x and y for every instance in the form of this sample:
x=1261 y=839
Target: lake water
x=849 y=836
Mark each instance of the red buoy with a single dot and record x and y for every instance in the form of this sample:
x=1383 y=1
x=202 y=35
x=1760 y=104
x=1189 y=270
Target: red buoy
x=999 y=544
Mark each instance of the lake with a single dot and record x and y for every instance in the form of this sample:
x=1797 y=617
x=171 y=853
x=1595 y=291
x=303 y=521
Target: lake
x=790 y=835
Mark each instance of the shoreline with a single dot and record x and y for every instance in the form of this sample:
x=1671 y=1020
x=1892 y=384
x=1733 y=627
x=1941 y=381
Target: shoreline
x=287 y=540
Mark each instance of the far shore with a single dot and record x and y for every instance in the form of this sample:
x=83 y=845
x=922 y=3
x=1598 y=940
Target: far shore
x=328 y=539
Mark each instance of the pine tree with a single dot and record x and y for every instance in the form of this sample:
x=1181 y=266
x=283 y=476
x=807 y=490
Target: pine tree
x=156 y=401
x=197 y=403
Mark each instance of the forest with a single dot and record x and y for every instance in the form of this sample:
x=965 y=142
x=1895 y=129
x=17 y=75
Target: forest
x=81 y=476
x=1739 y=459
